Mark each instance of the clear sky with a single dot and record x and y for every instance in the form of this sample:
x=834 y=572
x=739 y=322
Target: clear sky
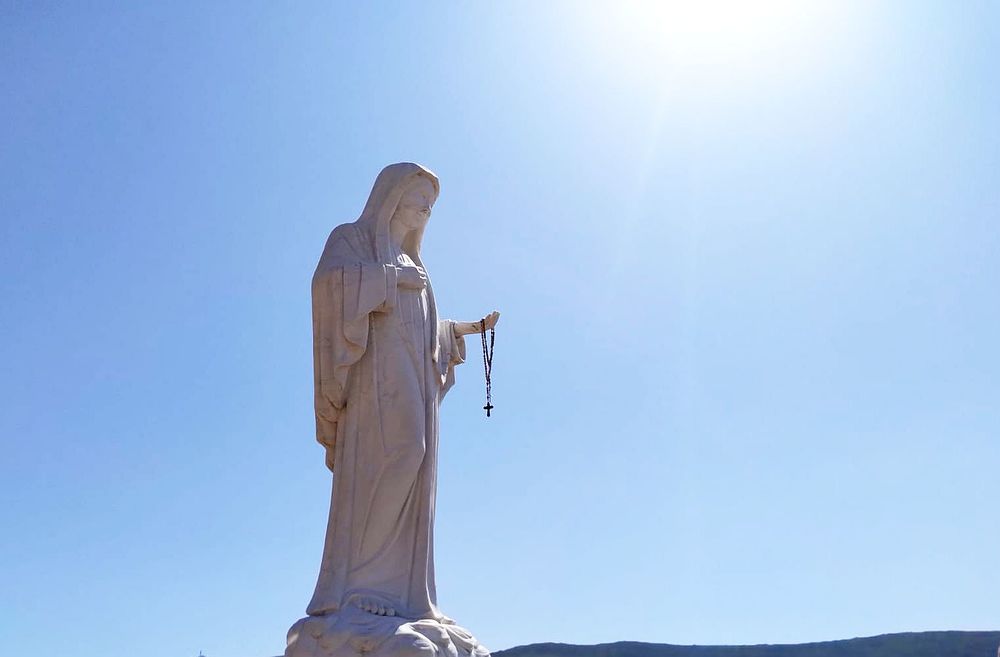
x=746 y=377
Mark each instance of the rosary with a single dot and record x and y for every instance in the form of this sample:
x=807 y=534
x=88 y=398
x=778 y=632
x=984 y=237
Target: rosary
x=487 y=363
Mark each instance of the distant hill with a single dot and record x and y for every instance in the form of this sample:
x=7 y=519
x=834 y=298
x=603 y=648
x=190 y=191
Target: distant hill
x=910 y=644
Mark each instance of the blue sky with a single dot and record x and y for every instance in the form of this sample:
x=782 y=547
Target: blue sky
x=746 y=375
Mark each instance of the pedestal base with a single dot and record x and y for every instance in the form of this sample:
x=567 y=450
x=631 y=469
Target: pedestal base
x=351 y=632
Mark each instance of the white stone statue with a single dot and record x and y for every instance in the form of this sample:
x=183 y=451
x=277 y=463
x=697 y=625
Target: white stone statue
x=383 y=362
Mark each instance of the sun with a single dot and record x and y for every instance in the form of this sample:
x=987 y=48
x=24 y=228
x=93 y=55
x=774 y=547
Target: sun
x=647 y=35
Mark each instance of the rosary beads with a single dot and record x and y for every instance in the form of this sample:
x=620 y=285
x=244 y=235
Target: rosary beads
x=487 y=363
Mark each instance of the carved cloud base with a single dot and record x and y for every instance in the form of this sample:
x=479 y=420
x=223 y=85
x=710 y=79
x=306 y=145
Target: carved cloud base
x=352 y=632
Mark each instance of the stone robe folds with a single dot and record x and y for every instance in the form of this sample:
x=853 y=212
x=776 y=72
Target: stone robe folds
x=382 y=362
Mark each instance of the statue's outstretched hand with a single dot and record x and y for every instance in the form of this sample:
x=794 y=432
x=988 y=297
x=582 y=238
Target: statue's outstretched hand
x=411 y=278
x=468 y=328
x=490 y=321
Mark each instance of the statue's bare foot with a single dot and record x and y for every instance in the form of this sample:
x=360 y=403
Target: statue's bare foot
x=373 y=606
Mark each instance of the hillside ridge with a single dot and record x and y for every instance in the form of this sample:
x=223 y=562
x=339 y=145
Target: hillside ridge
x=948 y=643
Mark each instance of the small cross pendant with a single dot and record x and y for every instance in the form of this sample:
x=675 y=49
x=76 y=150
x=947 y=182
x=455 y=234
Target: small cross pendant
x=488 y=408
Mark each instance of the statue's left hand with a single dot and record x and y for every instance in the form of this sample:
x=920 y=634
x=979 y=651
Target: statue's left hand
x=468 y=328
x=490 y=321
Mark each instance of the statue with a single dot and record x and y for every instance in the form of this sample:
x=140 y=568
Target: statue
x=383 y=362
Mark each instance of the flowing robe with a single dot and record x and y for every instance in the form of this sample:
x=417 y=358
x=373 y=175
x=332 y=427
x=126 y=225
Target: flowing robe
x=383 y=363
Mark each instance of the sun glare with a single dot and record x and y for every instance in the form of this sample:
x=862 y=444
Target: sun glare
x=648 y=35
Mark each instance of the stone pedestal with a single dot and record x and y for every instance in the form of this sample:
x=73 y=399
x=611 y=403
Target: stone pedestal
x=352 y=632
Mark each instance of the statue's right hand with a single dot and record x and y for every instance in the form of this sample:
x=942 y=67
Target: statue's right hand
x=411 y=278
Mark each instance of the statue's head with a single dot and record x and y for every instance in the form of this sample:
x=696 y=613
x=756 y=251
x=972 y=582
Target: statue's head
x=414 y=208
x=402 y=192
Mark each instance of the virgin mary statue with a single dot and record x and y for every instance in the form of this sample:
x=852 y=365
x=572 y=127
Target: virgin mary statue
x=383 y=362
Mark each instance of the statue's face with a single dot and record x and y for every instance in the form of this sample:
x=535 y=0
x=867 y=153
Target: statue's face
x=414 y=207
